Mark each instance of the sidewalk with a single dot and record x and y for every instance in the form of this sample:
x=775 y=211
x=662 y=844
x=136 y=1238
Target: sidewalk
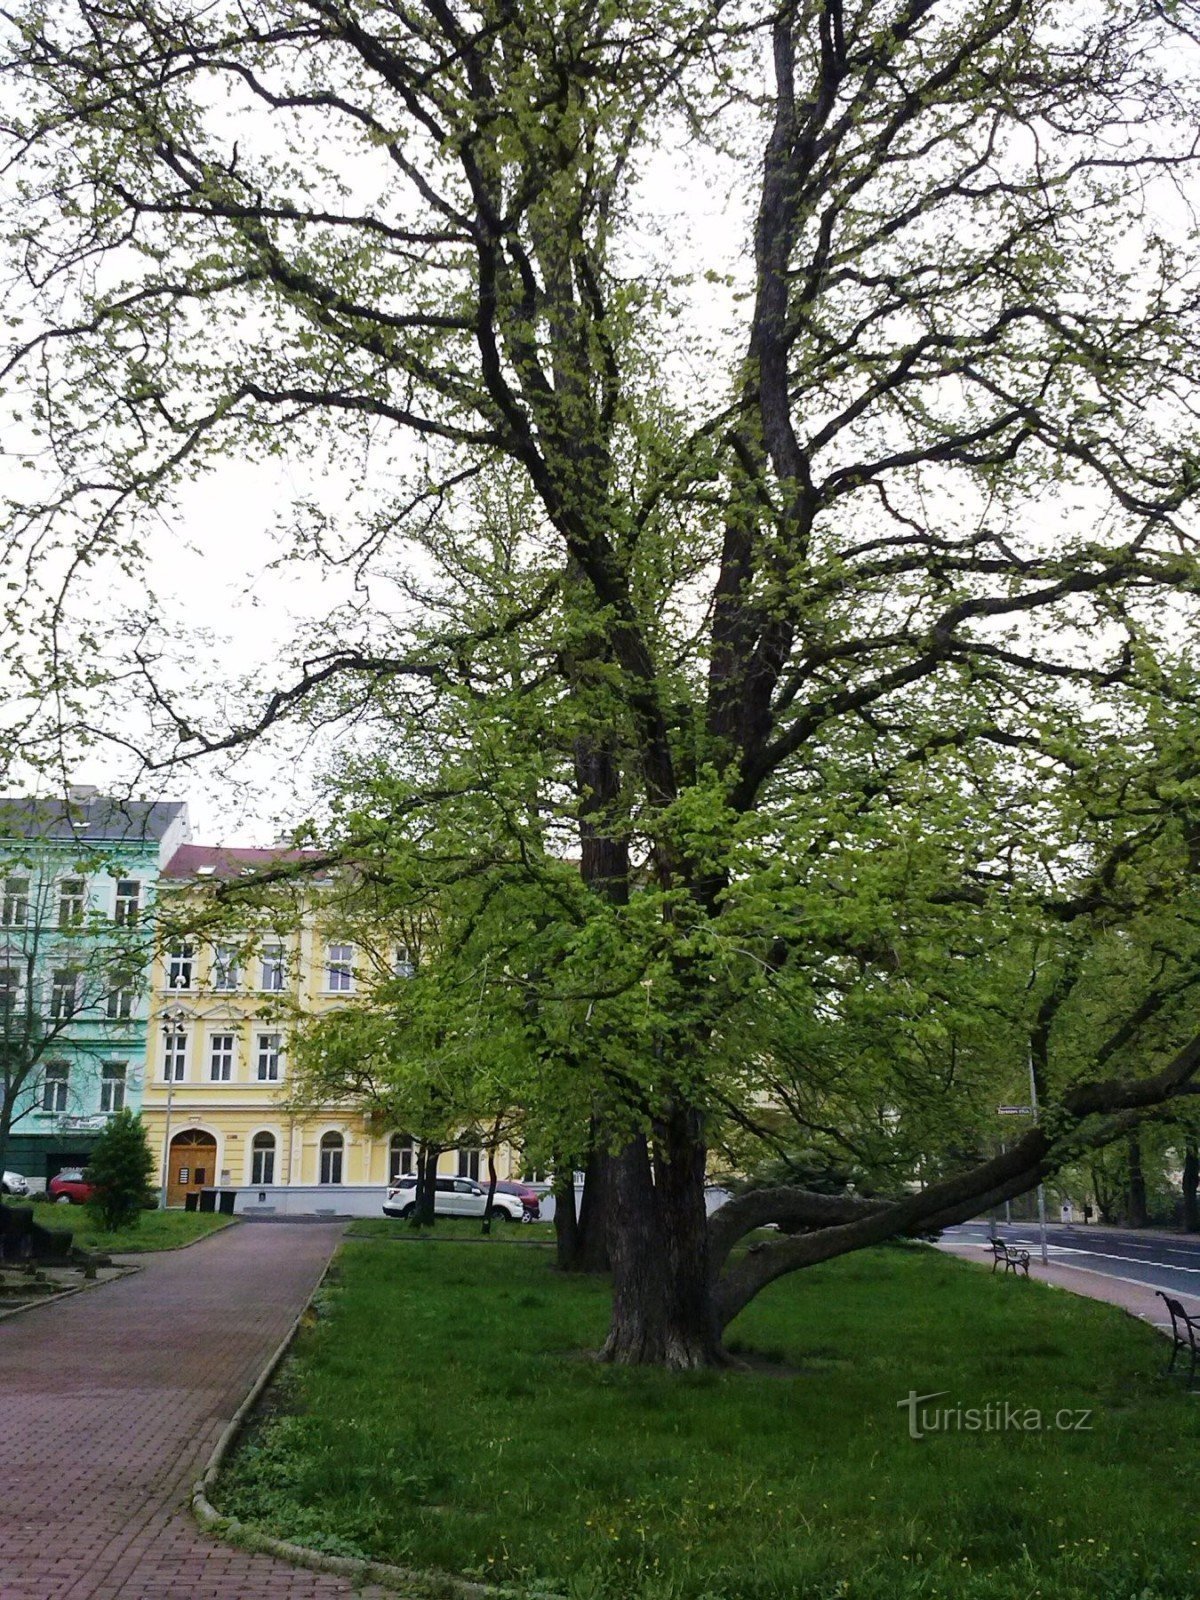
x=112 y=1401
x=1138 y=1299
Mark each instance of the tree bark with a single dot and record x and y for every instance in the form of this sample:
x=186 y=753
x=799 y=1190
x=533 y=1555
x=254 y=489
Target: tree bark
x=591 y=1253
x=566 y=1222
x=1137 y=1212
x=427 y=1162
x=663 y=1313
x=1191 y=1183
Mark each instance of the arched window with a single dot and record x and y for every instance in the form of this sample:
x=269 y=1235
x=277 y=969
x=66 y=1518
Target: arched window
x=332 y=1146
x=262 y=1158
x=402 y=1156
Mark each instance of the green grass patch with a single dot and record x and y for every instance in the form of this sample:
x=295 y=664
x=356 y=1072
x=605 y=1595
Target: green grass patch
x=504 y=1231
x=440 y=1414
x=155 y=1230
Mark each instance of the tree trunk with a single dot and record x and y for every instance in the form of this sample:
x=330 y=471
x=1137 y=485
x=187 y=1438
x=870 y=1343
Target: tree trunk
x=491 y=1194
x=591 y=1249
x=1137 y=1212
x=663 y=1313
x=566 y=1222
x=427 y=1163
x=1191 y=1182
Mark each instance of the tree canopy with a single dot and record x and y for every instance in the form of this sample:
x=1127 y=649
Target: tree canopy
x=777 y=492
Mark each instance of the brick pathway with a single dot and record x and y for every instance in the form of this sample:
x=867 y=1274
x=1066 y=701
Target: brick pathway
x=111 y=1402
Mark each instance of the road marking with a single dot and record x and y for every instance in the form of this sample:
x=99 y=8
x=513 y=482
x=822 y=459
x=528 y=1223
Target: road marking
x=1118 y=1277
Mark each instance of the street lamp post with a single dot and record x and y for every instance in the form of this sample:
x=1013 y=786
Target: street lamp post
x=1041 y=1189
x=174 y=1028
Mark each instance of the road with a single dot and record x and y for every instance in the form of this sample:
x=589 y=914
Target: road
x=1157 y=1261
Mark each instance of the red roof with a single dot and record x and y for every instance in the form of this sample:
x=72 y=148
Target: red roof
x=221 y=861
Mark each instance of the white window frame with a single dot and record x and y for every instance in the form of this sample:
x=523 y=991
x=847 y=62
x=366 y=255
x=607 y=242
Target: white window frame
x=72 y=902
x=14 y=906
x=469 y=1156
x=127 y=907
x=403 y=965
x=56 y=1086
x=339 y=969
x=226 y=968
x=257 y=1177
x=10 y=993
x=332 y=1173
x=220 y=1057
x=64 y=997
x=114 y=1077
x=268 y=1052
x=175 y=1058
x=402 y=1156
x=273 y=967
x=181 y=966
x=120 y=1002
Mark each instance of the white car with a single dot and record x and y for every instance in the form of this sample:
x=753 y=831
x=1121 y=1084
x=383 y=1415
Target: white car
x=13 y=1183
x=455 y=1197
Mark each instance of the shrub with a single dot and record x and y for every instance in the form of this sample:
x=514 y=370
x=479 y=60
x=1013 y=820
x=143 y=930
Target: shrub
x=120 y=1166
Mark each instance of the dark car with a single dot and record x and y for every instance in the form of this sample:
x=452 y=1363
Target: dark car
x=529 y=1197
x=70 y=1187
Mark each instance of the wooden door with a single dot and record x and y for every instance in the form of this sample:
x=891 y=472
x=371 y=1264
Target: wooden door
x=192 y=1165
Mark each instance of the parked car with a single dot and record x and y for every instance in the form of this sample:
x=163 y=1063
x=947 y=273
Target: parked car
x=13 y=1183
x=455 y=1197
x=529 y=1197
x=70 y=1187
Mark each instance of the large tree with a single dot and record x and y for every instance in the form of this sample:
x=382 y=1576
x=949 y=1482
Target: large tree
x=911 y=530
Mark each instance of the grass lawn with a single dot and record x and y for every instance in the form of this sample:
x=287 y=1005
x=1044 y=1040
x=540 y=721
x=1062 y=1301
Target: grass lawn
x=156 y=1230
x=503 y=1231
x=438 y=1414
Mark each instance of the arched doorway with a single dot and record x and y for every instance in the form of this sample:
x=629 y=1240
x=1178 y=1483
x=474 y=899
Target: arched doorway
x=192 y=1165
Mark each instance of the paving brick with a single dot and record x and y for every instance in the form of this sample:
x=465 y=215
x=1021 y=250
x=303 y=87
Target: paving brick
x=110 y=1404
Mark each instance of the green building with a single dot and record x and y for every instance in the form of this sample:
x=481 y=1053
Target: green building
x=77 y=885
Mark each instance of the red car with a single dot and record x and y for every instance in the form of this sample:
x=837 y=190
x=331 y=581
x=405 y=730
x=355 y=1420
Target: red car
x=529 y=1197
x=70 y=1187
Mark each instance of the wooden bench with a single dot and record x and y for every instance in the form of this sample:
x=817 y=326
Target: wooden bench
x=1012 y=1259
x=1184 y=1331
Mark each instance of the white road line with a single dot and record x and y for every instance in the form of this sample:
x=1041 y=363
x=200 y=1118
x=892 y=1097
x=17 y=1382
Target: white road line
x=1117 y=1277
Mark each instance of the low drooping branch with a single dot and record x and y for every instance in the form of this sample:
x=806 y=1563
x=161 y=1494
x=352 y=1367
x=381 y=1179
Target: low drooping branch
x=842 y=1223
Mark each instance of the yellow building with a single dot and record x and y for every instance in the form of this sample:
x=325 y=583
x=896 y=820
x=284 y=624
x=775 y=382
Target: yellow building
x=216 y=1081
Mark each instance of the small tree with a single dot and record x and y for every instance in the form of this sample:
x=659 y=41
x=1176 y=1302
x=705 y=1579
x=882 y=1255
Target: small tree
x=120 y=1167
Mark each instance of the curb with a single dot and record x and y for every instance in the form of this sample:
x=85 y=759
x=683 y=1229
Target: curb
x=65 y=1294
x=357 y=1571
x=170 y=1249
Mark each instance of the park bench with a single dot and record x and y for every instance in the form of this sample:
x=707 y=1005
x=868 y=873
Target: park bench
x=1184 y=1331
x=1012 y=1259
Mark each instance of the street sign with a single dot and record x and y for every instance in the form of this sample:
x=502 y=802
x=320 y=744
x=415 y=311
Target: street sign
x=1015 y=1111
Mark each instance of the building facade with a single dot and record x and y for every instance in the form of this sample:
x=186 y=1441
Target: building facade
x=222 y=1006
x=78 y=884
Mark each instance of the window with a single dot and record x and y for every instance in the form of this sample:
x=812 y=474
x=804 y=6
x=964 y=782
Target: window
x=175 y=1057
x=125 y=908
x=220 y=1058
x=112 y=1087
x=14 y=909
x=339 y=968
x=179 y=966
x=272 y=967
x=225 y=973
x=10 y=990
x=403 y=966
x=64 y=993
x=332 y=1146
x=262 y=1158
x=402 y=1157
x=71 y=901
x=268 y=1057
x=121 y=999
x=55 y=1083
x=468 y=1164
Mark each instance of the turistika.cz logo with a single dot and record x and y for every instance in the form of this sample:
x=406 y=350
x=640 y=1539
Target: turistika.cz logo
x=997 y=1416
